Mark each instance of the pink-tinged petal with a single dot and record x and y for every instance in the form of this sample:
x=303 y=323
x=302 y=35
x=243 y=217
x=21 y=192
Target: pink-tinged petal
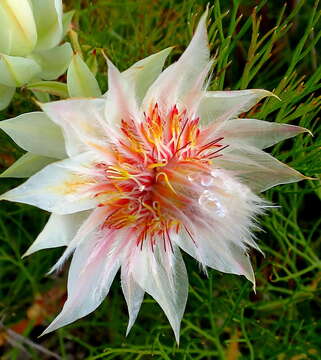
x=257 y=133
x=92 y=271
x=121 y=103
x=59 y=231
x=224 y=105
x=133 y=294
x=175 y=81
x=82 y=120
x=88 y=228
x=259 y=170
x=62 y=187
x=162 y=275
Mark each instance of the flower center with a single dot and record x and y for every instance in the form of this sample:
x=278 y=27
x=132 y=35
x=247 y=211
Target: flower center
x=151 y=181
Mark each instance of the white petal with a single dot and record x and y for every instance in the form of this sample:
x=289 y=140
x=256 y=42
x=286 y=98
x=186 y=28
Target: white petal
x=59 y=231
x=121 y=102
x=6 y=95
x=80 y=80
x=133 y=294
x=91 y=225
x=259 y=170
x=162 y=275
x=144 y=72
x=17 y=71
x=82 y=120
x=217 y=252
x=224 y=105
x=18 y=28
x=61 y=187
x=257 y=133
x=54 y=62
x=177 y=79
x=27 y=166
x=48 y=17
x=91 y=273
x=36 y=133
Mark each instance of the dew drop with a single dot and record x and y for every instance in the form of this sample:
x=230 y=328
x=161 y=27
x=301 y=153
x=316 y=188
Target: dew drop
x=210 y=202
x=207 y=180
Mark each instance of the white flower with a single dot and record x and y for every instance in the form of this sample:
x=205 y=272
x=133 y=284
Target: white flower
x=157 y=165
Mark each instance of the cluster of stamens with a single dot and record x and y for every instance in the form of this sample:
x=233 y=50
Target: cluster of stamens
x=149 y=179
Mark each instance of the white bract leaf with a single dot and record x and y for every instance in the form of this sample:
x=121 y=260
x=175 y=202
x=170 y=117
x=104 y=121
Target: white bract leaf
x=27 y=165
x=91 y=276
x=59 y=231
x=61 y=187
x=225 y=105
x=133 y=294
x=80 y=80
x=257 y=133
x=36 y=133
x=259 y=170
x=144 y=72
x=175 y=81
x=162 y=275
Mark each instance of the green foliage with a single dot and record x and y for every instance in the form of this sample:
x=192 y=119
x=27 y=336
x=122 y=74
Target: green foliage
x=268 y=46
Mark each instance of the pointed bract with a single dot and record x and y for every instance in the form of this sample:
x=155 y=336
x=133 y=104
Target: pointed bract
x=133 y=294
x=61 y=187
x=174 y=82
x=80 y=80
x=257 y=133
x=26 y=166
x=36 y=133
x=90 y=276
x=162 y=275
x=59 y=231
x=218 y=106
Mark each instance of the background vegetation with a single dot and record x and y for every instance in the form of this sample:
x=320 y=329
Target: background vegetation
x=257 y=44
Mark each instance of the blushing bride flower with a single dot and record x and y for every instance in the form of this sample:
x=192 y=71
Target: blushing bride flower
x=156 y=165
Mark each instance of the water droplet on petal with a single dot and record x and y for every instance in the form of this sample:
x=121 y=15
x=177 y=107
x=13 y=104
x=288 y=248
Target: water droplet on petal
x=211 y=203
x=207 y=180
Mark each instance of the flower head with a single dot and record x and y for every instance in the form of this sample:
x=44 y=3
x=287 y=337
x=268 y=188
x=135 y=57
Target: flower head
x=31 y=31
x=156 y=165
